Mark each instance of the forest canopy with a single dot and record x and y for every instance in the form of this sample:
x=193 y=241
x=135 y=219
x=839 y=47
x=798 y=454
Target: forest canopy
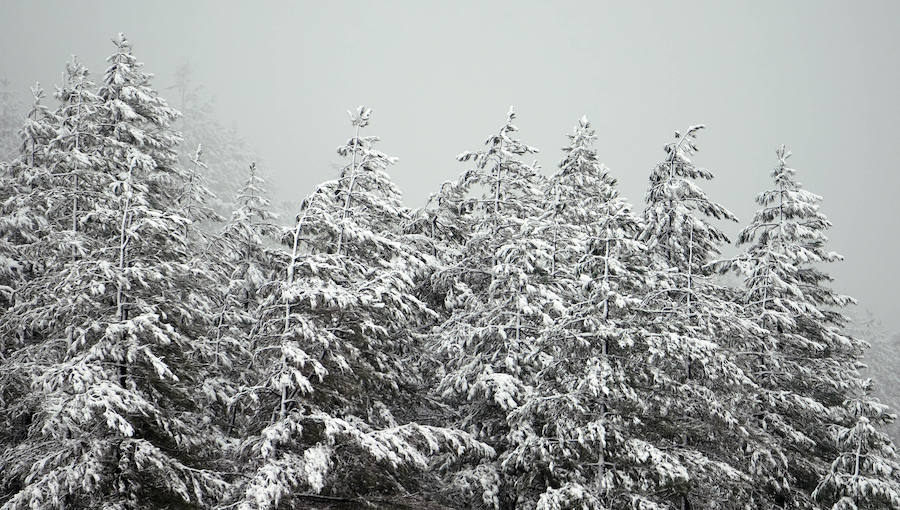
x=526 y=339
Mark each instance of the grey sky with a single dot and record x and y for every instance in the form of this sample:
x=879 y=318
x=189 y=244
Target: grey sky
x=821 y=77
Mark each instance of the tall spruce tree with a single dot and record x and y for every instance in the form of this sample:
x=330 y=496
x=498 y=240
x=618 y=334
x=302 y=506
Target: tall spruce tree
x=577 y=426
x=804 y=363
x=115 y=422
x=30 y=200
x=499 y=299
x=691 y=330
x=330 y=404
x=75 y=152
x=40 y=127
x=244 y=258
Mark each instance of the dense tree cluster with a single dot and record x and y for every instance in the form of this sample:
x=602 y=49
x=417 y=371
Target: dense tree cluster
x=523 y=341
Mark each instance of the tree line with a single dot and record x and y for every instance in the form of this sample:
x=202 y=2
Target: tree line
x=521 y=341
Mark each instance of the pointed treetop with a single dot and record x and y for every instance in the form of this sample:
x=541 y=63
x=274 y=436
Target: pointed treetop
x=75 y=69
x=37 y=91
x=782 y=174
x=360 y=117
x=684 y=146
x=122 y=42
x=582 y=135
x=782 y=152
x=73 y=62
x=198 y=156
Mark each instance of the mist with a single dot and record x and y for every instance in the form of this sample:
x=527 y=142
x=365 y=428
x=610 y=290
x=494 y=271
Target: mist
x=820 y=77
x=319 y=331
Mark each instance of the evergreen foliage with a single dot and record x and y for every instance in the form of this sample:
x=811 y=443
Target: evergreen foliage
x=522 y=341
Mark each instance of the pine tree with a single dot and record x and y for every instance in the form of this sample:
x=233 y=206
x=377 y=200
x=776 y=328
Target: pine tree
x=242 y=255
x=39 y=128
x=195 y=196
x=245 y=237
x=114 y=420
x=806 y=366
x=75 y=152
x=865 y=474
x=692 y=328
x=31 y=199
x=576 y=427
x=499 y=299
x=331 y=399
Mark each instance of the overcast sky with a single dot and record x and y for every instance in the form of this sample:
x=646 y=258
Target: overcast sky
x=821 y=77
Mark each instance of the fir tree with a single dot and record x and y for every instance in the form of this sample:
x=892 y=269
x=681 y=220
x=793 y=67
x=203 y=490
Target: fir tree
x=577 y=426
x=115 y=421
x=691 y=328
x=40 y=127
x=805 y=364
x=32 y=198
x=499 y=300
x=865 y=474
x=76 y=152
x=242 y=255
x=331 y=397
x=195 y=196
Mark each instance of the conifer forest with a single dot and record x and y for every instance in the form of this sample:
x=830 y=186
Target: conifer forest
x=173 y=337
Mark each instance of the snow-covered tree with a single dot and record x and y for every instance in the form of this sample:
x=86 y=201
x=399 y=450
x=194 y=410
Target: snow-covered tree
x=78 y=113
x=804 y=363
x=692 y=329
x=576 y=427
x=499 y=298
x=40 y=127
x=865 y=474
x=242 y=255
x=113 y=417
x=75 y=152
x=31 y=197
x=245 y=240
x=584 y=200
x=331 y=402
x=196 y=196
x=39 y=209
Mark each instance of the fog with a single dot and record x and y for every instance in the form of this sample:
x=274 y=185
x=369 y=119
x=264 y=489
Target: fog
x=821 y=77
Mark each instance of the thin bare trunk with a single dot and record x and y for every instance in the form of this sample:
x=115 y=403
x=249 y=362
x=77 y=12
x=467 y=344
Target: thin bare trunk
x=289 y=279
x=601 y=471
x=555 y=232
x=348 y=202
x=121 y=310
